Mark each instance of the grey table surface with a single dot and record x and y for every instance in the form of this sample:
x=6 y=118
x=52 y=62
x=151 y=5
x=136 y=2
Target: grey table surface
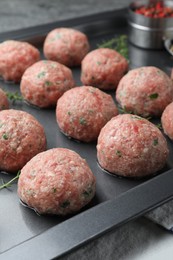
x=140 y=239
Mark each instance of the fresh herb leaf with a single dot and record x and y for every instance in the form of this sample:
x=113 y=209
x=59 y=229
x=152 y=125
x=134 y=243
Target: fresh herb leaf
x=124 y=110
x=82 y=121
x=48 y=83
x=41 y=74
x=14 y=96
x=5 y=136
x=65 y=204
x=54 y=190
x=154 y=96
x=9 y=183
x=118 y=152
x=159 y=125
x=155 y=142
x=88 y=192
x=120 y=44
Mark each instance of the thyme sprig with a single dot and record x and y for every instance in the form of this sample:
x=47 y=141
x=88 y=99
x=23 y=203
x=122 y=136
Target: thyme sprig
x=9 y=183
x=120 y=44
x=14 y=96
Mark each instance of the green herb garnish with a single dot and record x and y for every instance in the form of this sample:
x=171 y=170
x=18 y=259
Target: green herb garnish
x=48 y=83
x=118 y=153
x=14 y=96
x=82 y=121
x=65 y=204
x=120 y=44
x=41 y=74
x=124 y=110
x=9 y=183
x=54 y=190
x=5 y=136
x=159 y=125
x=155 y=142
x=154 y=96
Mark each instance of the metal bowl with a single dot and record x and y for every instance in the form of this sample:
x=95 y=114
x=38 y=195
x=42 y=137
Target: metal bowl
x=147 y=32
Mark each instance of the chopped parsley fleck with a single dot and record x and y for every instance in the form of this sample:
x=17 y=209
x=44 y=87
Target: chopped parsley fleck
x=65 y=204
x=5 y=136
x=1 y=125
x=53 y=65
x=124 y=110
x=82 y=121
x=88 y=192
x=118 y=152
x=98 y=62
x=53 y=190
x=154 y=96
x=58 y=35
x=41 y=74
x=48 y=83
x=155 y=142
x=90 y=111
x=69 y=113
x=120 y=44
x=159 y=125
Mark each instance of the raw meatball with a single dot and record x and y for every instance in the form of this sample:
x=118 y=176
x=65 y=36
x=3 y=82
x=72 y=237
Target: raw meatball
x=67 y=46
x=21 y=137
x=57 y=181
x=44 y=82
x=167 y=120
x=103 y=68
x=145 y=91
x=4 y=104
x=82 y=111
x=131 y=146
x=15 y=58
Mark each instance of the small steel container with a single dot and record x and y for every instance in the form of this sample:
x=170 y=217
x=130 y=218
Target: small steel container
x=148 y=32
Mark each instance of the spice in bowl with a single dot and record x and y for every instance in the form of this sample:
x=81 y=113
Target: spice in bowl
x=155 y=10
x=150 y=22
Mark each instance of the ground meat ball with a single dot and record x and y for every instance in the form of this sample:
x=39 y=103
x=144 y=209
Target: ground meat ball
x=67 y=46
x=21 y=137
x=103 y=68
x=82 y=111
x=44 y=82
x=57 y=181
x=131 y=146
x=15 y=58
x=145 y=91
x=167 y=120
x=4 y=104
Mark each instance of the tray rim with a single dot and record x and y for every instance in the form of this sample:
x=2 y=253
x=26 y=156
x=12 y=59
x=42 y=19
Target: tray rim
x=66 y=230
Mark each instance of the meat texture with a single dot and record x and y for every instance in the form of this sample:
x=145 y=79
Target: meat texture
x=57 y=181
x=15 y=58
x=82 y=111
x=44 y=83
x=21 y=138
x=145 y=91
x=131 y=146
x=67 y=46
x=103 y=68
x=167 y=120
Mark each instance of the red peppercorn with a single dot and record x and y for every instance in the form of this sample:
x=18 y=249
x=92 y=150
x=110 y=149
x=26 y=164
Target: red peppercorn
x=157 y=10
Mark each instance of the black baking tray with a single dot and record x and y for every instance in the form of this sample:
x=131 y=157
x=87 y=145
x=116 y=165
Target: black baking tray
x=26 y=235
